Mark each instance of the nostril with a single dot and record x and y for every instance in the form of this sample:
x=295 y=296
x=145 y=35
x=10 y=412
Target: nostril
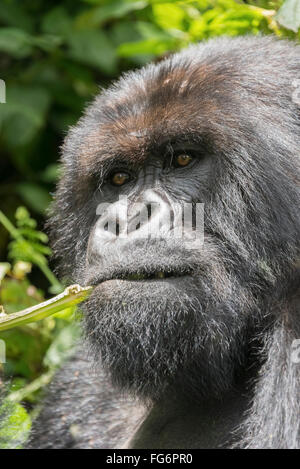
x=145 y=216
x=113 y=228
x=152 y=209
x=149 y=210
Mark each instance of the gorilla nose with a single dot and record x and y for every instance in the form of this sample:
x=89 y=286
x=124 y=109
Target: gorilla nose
x=148 y=216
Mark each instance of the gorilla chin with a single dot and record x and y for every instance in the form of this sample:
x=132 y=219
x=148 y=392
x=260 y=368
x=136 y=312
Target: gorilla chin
x=161 y=330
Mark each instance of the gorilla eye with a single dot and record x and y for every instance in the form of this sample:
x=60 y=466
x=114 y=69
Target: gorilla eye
x=182 y=160
x=119 y=178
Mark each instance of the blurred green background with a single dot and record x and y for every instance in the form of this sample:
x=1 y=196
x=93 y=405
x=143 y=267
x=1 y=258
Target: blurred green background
x=54 y=56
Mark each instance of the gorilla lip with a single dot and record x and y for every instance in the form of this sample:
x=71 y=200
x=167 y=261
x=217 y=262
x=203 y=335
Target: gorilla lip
x=140 y=276
x=159 y=275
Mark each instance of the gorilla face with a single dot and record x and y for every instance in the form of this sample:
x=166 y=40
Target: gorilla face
x=148 y=330
x=212 y=125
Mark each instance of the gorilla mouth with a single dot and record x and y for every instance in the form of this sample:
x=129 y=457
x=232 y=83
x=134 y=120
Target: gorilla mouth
x=153 y=276
x=141 y=276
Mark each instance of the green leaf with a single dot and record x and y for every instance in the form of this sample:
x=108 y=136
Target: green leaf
x=15 y=425
x=34 y=235
x=115 y=9
x=14 y=295
x=148 y=46
x=27 y=250
x=151 y=31
x=93 y=48
x=63 y=345
x=13 y=13
x=169 y=16
x=20 y=249
x=15 y=42
x=57 y=21
x=35 y=196
x=51 y=173
x=155 y=2
x=289 y=15
x=23 y=114
x=23 y=218
x=47 y=42
x=124 y=31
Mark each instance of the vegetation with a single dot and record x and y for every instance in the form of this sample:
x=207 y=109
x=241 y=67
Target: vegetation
x=53 y=57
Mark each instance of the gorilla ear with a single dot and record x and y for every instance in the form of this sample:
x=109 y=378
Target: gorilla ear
x=273 y=421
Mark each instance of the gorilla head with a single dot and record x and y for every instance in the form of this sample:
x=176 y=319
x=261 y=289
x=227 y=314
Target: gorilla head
x=215 y=124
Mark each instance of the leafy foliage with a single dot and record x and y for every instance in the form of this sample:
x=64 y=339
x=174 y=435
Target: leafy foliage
x=15 y=424
x=28 y=244
x=33 y=351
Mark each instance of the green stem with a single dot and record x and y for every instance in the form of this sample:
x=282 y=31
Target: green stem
x=34 y=386
x=72 y=296
x=9 y=226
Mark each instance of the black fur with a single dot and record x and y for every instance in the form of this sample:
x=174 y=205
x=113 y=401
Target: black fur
x=230 y=317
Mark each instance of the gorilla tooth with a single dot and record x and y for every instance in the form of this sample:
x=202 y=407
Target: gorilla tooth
x=160 y=275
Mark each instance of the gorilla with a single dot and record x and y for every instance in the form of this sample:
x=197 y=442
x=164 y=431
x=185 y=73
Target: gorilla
x=188 y=341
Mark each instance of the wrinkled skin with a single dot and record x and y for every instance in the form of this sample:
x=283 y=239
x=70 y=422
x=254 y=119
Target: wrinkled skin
x=167 y=316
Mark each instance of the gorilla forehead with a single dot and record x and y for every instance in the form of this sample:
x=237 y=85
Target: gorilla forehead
x=208 y=90
x=171 y=104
